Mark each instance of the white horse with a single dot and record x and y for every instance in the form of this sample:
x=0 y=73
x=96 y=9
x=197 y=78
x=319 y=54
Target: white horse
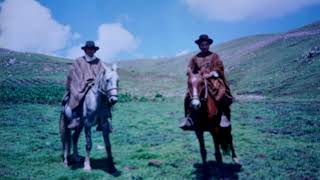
x=96 y=105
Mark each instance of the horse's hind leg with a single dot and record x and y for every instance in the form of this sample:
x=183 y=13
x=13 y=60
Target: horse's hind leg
x=203 y=151
x=65 y=139
x=87 y=129
x=233 y=152
x=106 y=138
x=66 y=147
x=217 y=153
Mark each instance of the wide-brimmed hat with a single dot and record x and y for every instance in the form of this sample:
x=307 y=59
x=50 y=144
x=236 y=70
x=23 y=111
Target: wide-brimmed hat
x=90 y=45
x=203 y=37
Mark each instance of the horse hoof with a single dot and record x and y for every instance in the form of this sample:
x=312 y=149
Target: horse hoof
x=236 y=161
x=65 y=163
x=87 y=168
x=76 y=158
x=205 y=167
x=113 y=170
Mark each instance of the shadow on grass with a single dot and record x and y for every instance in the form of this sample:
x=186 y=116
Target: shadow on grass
x=216 y=171
x=96 y=164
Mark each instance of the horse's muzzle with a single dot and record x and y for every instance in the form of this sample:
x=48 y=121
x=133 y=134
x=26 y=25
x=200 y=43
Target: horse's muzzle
x=113 y=100
x=196 y=104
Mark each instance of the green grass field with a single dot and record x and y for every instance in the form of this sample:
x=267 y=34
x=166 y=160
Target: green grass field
x=273 y=140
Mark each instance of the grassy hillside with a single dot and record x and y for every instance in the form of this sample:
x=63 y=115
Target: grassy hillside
x=270 y=65
x=28 y=77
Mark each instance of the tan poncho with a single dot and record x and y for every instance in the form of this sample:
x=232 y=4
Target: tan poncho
x=80 y=79
x=218 y=87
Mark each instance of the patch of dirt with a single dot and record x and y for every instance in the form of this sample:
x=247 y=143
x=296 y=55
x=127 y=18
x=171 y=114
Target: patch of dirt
x=155 y=163
x=250 y=97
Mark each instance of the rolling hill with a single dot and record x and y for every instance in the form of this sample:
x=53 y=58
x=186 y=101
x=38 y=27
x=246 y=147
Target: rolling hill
x=283 y=65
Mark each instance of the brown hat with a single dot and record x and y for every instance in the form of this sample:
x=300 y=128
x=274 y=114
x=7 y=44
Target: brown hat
x=90 y=44
x=203 y=37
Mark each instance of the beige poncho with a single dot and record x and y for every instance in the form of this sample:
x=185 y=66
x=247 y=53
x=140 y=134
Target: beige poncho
x=80 y=78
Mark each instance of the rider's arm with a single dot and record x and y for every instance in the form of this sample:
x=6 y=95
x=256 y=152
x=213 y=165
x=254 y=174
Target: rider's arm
x=217 y=68
x=218 y=65
x=69 y=78
x=193 y=65
x=75 y=76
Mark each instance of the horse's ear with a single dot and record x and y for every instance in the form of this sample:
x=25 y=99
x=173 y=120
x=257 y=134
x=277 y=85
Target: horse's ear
x=114 y=67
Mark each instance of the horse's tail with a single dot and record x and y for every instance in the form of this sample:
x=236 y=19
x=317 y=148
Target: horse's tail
x=63 y=119
x=62 y=126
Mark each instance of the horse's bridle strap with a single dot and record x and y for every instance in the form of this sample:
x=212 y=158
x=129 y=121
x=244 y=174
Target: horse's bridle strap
x=106 y=92
x=206 y=92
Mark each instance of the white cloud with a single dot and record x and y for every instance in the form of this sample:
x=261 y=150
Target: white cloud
x=183 y=52
x=234 y=10
x=28 y=26
x=112 y=39
x=75 y=52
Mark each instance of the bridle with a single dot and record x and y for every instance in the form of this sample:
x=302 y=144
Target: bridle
x=106 y=92
x=197 y=97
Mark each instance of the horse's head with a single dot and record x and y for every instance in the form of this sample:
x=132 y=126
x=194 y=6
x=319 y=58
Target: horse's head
x=195 y=86
x=109 y=84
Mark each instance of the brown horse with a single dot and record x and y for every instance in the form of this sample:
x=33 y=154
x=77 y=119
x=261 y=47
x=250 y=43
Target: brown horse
x=206 y=117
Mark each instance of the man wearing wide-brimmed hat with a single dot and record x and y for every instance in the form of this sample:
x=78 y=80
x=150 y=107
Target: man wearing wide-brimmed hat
x=210 y=64
x=80 y=79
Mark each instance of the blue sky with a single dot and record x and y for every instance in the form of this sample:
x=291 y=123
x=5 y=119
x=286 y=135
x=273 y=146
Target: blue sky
x=145 y=29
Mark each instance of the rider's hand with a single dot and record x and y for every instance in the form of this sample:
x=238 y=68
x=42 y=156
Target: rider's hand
x=207 y=76
x=214 y=74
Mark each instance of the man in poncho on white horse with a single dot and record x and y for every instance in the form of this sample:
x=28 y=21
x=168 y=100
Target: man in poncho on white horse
x=91 y=90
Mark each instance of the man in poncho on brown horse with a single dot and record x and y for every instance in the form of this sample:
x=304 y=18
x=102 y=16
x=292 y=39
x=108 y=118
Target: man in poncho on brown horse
x=208 y=99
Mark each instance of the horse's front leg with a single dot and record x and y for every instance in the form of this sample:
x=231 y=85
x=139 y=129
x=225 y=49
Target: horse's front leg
x=106 y=138
x=203 y=151
x=235 y=159
x=75 y=138
x=87 y=129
